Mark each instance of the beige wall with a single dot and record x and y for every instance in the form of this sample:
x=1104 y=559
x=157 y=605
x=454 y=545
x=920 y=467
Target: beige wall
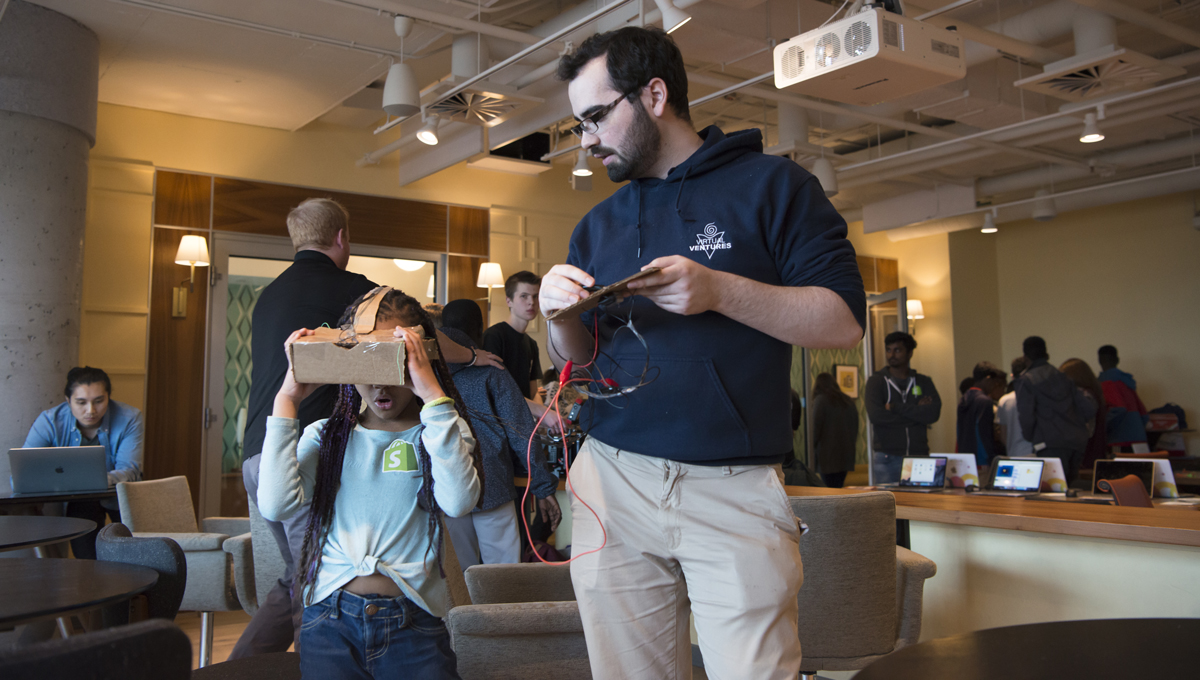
x=976 y=301
x=925 y=271
x=1125 y=275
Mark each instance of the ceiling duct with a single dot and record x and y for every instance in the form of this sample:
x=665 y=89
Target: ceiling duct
x=483 y=103
x=1099 y=66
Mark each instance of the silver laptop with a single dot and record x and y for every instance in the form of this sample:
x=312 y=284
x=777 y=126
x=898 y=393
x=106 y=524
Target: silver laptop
x=1014 y=477
x=920 y=474
x=63 y=469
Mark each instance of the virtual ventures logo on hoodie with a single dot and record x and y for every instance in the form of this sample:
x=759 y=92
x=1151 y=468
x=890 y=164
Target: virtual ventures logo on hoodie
x=711 y=240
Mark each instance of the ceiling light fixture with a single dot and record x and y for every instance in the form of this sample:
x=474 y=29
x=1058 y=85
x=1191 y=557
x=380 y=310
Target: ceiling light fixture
x=1043 y=208
x=581 y=165
x=672 y=16
x=401 y=96
x=428 y=133
x=827 y=176
x=1091 y=130
x=409 y=265
x=989 y=223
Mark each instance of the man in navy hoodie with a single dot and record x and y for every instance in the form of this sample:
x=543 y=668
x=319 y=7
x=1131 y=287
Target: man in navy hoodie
x=678 y=503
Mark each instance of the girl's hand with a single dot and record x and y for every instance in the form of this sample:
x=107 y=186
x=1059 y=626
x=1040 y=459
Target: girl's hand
x=422 y=380
x=291 y=393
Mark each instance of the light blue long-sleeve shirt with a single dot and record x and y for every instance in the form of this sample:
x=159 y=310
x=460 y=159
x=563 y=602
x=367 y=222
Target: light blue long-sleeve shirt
x=377 y=526
x=121 y=432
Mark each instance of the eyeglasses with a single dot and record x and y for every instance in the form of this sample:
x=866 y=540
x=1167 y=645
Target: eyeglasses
x=591 y=124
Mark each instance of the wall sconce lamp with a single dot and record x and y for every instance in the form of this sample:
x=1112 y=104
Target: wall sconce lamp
x=490 y=276
x=915 y=311
x=193 y=252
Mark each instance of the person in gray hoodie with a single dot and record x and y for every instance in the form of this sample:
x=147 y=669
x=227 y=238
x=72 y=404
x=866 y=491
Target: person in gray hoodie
x=1053 y=412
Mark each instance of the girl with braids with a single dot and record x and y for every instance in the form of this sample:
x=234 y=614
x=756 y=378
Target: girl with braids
x=378 y=480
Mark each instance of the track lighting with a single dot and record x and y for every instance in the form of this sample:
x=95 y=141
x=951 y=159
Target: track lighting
x=428 y=133
x=672 y=16
x=989 y=224
x=581 y=165
x=1091 y=130
x=827 y=176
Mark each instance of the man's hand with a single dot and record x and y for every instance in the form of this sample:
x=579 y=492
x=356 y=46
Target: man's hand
x=562 y=287
x=549 y=511
x=683 y=286
x=486 y=358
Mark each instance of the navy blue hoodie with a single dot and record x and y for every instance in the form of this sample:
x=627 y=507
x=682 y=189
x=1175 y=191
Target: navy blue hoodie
x=720 y=392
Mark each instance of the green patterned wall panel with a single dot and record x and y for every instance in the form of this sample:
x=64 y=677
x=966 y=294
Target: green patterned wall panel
x=823 y=361
x=243 y=294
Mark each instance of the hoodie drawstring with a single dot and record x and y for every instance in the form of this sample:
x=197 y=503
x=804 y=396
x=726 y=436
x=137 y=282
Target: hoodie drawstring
x=638 y=188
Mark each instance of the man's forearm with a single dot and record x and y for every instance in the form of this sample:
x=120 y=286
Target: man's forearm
x=811 y=317
x=568 y=339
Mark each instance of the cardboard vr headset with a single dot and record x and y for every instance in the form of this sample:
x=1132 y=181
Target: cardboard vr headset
x=356 y=354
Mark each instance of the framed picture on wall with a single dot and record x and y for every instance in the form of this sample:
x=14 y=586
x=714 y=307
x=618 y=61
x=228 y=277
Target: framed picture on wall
x=847 y=379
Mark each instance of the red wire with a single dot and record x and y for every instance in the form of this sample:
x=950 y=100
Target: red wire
x=566 y=463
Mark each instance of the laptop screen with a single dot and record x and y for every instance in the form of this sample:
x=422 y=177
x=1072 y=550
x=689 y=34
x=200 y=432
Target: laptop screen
x=1018 y=475
x=923 y=472
x=1116 y=469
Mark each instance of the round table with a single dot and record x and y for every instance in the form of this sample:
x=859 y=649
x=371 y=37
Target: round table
x=33 y=531
x=47 y=588
x=1059 y=650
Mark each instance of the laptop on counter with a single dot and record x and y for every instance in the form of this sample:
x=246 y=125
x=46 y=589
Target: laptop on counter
x=920 y=475
x=63 y=469
x=961 y=470
x=1116 y=469
x=1054 y=479
x=1014 y=478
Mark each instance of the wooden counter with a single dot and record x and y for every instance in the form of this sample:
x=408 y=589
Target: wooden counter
x=1169 y=526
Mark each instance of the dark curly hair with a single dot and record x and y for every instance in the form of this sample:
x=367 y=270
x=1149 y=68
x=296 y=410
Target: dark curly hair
x=635 y=57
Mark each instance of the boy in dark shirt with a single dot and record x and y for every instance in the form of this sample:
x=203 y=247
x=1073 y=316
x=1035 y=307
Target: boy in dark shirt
x=508 y=338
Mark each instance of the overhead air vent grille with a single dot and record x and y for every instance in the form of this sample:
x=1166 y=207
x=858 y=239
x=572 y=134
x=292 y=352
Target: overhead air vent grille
x=486 y=104
x=1099 y=72
x=858 y=38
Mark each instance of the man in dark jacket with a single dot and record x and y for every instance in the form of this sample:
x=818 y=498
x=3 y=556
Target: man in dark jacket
x=677 y=503
x=901 y=405
x=1054 y=413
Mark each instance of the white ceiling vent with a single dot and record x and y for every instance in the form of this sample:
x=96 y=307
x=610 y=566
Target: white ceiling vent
x=484 y=103
x=1099 y=72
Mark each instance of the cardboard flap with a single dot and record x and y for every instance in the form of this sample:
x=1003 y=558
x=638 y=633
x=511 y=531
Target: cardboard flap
x=364 y=316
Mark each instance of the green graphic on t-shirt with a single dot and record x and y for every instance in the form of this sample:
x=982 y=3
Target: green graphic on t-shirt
x=400 y=456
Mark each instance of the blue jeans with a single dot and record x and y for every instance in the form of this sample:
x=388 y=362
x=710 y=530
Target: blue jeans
x=350 y=636
x=886 y=467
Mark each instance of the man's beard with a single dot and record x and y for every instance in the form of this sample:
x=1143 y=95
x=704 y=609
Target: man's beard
x=641 y=148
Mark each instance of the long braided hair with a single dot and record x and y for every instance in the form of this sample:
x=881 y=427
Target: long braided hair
x=406 y=311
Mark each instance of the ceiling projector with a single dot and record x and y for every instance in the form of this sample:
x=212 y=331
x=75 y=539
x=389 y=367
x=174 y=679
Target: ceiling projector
x=869 y=57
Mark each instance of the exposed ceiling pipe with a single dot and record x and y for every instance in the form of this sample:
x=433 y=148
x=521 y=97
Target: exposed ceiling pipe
x=891 y=123
x=1065 y=129
x=375 y=156
x=1020 y=35
x=1052 y=121
x=1107 y=193
x=1139 y=18
x=407 y=10
x=1127 y=158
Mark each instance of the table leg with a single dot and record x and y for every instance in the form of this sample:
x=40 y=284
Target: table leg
x=64 y=624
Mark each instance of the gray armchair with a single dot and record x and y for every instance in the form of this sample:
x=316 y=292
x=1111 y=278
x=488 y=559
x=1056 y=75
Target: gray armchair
x=220 y=561
x=862 y=594
x=522 y=624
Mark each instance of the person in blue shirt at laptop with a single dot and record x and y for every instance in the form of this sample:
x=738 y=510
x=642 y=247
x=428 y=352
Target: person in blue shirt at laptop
x=91 y=417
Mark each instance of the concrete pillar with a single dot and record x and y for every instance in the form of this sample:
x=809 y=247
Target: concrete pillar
x=48 y=94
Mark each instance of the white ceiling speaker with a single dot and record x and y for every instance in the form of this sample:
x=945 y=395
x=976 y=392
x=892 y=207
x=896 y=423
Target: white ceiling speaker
x=869 y=57
x=672 y=16
x=1043 y=208
x=1091 y=129
x=581 y=165
x=428 y=133
x=827 y=176
x=401 y=96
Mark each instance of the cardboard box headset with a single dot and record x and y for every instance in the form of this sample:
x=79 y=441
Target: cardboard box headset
x=357 y=355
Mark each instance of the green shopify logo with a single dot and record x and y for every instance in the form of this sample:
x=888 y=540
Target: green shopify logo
x=400 y=456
